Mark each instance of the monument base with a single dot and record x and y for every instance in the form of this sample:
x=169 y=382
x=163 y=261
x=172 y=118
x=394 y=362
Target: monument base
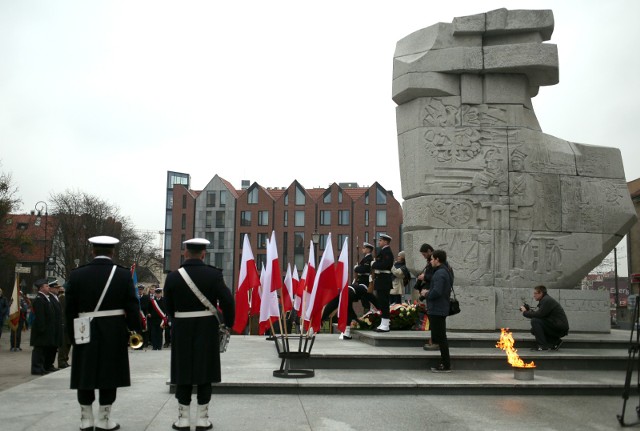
x=490 y=308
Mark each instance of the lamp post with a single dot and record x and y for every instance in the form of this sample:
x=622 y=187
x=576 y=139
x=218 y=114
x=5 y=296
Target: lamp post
x=43 y=205
x=315 y=238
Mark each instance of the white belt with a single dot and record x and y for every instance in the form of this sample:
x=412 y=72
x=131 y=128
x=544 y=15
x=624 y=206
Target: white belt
x=104 y=313
x=380 y=271
x=186 y=314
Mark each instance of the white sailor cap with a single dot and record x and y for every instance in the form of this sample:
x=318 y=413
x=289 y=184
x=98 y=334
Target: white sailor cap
x=367 y=245
x=385 y=237
x=104 y=241
x=198 y=244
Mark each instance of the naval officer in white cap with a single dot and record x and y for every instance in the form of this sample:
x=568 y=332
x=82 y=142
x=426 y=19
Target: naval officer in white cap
x=103 y=363
x=381 y=267
x=195 y=352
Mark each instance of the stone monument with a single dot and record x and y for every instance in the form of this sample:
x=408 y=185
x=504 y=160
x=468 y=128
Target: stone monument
x=512 y=206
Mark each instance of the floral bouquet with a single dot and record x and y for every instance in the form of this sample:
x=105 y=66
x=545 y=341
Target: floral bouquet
x=402 y=316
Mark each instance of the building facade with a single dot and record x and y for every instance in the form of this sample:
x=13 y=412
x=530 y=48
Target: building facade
x=223 y=215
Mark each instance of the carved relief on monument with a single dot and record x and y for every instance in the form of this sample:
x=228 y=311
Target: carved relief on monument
x=545 y=153
x=439 y=113
x=418 y=112
x=594 y=161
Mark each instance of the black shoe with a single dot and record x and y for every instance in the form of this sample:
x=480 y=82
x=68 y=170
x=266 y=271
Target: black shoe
x=51 y=370
x=64 y=365
x=557 y=346
x=539 y=349
x=165 y=345
x=440 y=369
x=38 y=372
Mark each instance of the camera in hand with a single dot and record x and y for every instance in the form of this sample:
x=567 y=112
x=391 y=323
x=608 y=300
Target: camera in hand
x=526 y=306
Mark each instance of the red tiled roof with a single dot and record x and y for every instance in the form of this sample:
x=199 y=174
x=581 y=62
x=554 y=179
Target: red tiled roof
x=229 y=186
x=17 y=225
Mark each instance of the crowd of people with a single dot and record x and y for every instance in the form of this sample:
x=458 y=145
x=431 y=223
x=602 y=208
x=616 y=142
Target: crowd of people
x=183 y=318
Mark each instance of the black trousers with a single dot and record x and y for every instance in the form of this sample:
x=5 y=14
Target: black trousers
x=49 y=357
x=383 y=301
x=438 y=326
x=86 y=397
x=155 y=334
x=183 y=394
x=547 y=335
x=16 y=336
x=37 y=359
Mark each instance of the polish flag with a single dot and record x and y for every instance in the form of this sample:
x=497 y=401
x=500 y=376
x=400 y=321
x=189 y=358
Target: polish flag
x=256 y=294
x=309 y=278
x=297 y=292
x=14 y=308
x=342 y=280
x=248 y=279
x=287 y=293
x=324 y=288
x=269 y=311
x=300 y=291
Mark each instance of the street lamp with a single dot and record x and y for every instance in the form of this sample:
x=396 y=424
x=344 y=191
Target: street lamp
x=43 y=205
x=315 y=238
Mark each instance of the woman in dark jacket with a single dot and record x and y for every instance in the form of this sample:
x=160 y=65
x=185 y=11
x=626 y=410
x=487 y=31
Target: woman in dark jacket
x=438 y=307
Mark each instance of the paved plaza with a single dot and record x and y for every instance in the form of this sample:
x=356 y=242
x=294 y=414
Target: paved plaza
x=47 y=403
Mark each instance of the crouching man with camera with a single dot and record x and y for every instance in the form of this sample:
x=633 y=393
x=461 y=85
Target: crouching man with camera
x=549 y=322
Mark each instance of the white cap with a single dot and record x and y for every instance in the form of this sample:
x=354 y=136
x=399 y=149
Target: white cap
x=104 y=241
x=366 y=244
x=385 y=237
x=197 y=243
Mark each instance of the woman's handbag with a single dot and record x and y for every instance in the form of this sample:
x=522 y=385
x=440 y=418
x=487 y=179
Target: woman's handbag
x=454 y=305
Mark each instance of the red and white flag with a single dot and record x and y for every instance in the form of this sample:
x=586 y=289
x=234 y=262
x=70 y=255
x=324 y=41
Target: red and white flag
x=324 y=288
x=248 y=279
x=14 y=309
x=307 y=280
x=297 y=292
x=269 y=311
x=342 y=280
x=287 y=292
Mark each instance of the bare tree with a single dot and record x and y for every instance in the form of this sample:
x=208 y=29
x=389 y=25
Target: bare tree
x=10 y=238
x=81 y=216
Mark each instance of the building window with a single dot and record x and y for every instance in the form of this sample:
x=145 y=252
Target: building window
x=341 y=238
x=183 y=238
x=261 y=261
x=366 y=237
x=252 y=196
x=219 y=218
x=170 y=200
x=220 y=240
x=223 y=198
x=169 y=221
x=381 y=196
x=285 y=246
x=286 y=218
x=343 y=217
x=218 y=259
x=245 y=218
x=339 y=196
x=242 y=235
x=299 y=221
x=366 y=217
x=366 y=197
x=184 y=202
x=211 y=237
x=208 y=222
x=263 y=218
x=262 y=240
x=300 y=197
x=298 y=249
x=322 y=243
x=325 y=218
x=184 y=221
x=327 y=197
x=211 y=199
x=286 y=198
x=381 y=218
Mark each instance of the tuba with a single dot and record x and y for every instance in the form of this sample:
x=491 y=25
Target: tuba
x=135 y=340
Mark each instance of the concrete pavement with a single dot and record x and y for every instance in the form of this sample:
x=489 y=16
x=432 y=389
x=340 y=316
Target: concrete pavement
x=46 y=403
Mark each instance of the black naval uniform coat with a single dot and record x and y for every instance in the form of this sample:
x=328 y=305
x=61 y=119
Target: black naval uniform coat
x=363 y=269
x=102 y=363
x=383 y=262
x=195 y=354
x=43 y=331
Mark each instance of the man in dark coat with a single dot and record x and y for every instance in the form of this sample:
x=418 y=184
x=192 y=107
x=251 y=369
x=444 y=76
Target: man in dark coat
x=50 y=353
x=381 y=268
x=363 y=268
x=157 y=319
x=103 y=363
x=438 y=298
x=549 y=322
x=43 y=331
x=195 y=351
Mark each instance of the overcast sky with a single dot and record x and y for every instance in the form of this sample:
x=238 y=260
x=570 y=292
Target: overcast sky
x=106 y=96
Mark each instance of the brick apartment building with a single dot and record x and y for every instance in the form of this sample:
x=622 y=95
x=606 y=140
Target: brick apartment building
x=223 y=215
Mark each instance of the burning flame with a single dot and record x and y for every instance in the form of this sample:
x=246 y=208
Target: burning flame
x=506 y=343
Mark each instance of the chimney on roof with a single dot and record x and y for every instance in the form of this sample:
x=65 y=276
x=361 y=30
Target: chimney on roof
x=245 y=184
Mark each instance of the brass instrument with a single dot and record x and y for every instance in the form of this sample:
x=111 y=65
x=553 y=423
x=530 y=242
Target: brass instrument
x=135 y=340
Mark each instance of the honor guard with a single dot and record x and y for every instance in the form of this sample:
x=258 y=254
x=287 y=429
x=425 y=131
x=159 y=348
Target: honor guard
x=103 y=362
x=363 y=268
x=195 y=351
x=381 y=268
